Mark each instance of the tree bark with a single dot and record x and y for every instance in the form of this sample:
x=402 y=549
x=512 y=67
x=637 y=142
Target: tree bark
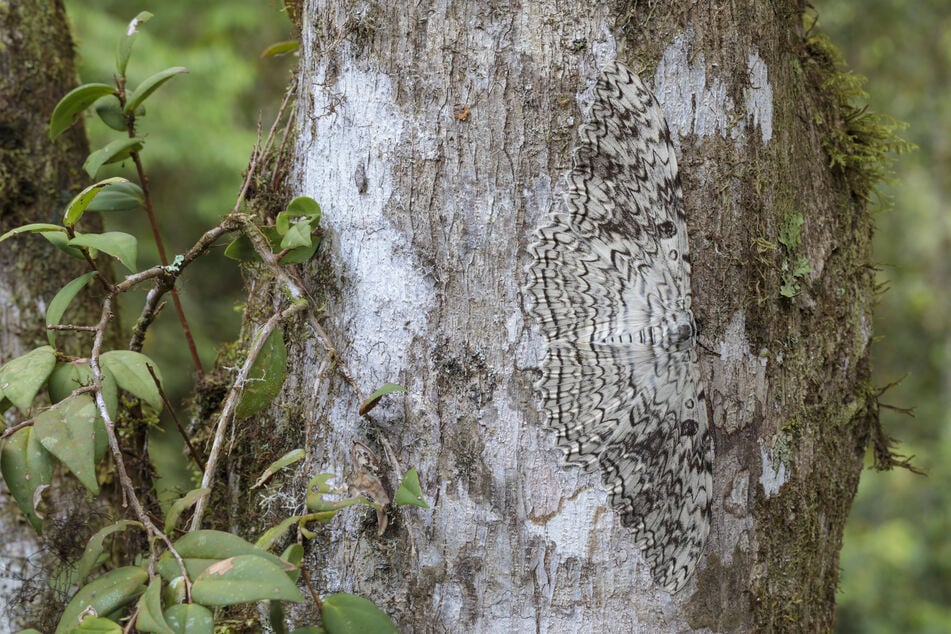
x=436 y=135
x=37 y=179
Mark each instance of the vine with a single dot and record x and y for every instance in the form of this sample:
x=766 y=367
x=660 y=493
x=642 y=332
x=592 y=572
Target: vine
x=182 y=578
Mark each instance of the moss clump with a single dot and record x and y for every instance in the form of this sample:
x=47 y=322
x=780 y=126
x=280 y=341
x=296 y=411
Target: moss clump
x=862 y=143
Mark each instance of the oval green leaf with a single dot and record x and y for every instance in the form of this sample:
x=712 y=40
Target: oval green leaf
x=131 y=371
x=202 y=548
x=410 y=492
x=243 y=579
x=274 y=533
x=67 y=377
x=69 y=108
x=298 y=235
x=62 y=300
x=179 y=506
x=150 y=85
x=280 y=48
x=189 y=618
x=266 y=377
x=110 y=112
x=305 y=206
x=287 y=459
x=98 y=624
x=121 y=246
x=124 y=48
x=119 y=197
x=77 y=206
x=104 y=594
x=26 y=466
x=94 y=554
x=374 y=398
x=61 y=241
x=350 y=614
x=112 y=152
x=36 y=227
x=68 y=431
x=150 y=617
x=22 y=378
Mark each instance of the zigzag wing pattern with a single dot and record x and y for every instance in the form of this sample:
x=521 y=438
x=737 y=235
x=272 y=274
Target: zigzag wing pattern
x=610 y=281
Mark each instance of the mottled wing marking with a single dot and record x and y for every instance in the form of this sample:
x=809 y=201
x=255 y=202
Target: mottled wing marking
x=610 y=282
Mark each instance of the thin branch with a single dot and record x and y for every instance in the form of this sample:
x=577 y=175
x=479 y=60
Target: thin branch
x=231 y=403
x=167 y=276
x=70 y=327
x=157 y=236
x=196 y=456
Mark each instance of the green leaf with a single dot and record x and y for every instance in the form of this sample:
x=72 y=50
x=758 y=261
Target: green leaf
x=305 y=206
x=185 y=502
x=67 y=377
x=243 y=579
x=274 y=533
x=69 y=108
x=77 y=206
x=374 y=398
x=36 y=227
x=61 y=241
x=98 y=624
x=124 y=48
x=242 y=250
x=287 y=459
x=104 y=594
x=112 y=152
x=26 y=467
x=202 y=548
x=68 y=431
x=94 y=554
x=110 y=112
x=350 y=614
x=280 y=48
x=22 y=378
x=121 y=246
x=297 y=236
x=309 y=629
x=150 y=85
x=410 y=492
x=150 y=617
x=61 y=301
x=189 y=618
x=131 y=371
x=266 y=377
x=119 y=197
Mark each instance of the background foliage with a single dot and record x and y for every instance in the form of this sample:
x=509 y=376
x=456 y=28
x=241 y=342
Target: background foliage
x=204 y=126
x=896 y=562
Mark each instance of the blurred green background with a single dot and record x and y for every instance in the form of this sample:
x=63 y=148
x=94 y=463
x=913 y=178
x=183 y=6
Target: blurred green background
x=896 y=563
x=200 y=129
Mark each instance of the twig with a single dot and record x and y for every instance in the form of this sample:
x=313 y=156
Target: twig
x=231 y=403
x=310 y=586
x=196 y=456
x=160 y=246
x=166 y=279
x=70 y=327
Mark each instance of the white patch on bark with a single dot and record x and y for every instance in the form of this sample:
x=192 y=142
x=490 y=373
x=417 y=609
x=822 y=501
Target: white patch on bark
x=774 y=475
x=741 y=368
x=699 y=105
x=759 y=96
x=387 y=298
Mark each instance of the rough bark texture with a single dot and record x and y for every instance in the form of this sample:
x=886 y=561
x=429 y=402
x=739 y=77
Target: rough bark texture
x=37 y=178
x=435 y=136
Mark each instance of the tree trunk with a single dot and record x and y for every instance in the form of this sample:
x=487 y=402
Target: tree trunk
x=436 y=136
x=37 y=179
